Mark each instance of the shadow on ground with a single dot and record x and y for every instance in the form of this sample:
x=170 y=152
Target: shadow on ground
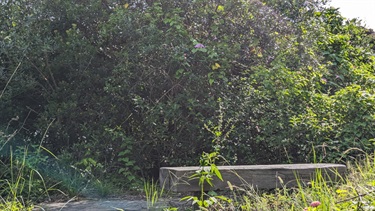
x=108 y=205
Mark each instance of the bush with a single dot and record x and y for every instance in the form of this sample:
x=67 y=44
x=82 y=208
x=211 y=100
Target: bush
x=135 y=85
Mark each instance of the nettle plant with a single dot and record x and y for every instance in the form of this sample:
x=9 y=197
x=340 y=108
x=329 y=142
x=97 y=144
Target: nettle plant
x=206 y=174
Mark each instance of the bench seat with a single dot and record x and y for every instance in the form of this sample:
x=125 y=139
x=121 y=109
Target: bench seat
x=259 y=176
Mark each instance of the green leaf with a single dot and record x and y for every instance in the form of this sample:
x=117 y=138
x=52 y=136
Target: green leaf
x=218 y=133
x=187 y=198
x=220 y=8
x=126 y=159
x=179 y=73
x=131 y=177
x=209 y=181
x=212 y=193
x=217 y=173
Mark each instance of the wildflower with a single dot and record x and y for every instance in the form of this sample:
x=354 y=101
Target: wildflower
x=324 y=80
x=315 y=203
x=199 y=45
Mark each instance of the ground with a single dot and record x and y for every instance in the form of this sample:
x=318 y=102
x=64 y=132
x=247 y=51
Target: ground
x=129 y=203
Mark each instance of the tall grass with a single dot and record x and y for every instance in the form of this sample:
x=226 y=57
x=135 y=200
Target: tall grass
x=20 y=182
x=17 y=184
x=152 y=192
x=356 y=191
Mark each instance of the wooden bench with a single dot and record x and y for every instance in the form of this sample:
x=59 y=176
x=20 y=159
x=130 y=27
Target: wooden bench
x=259 y=176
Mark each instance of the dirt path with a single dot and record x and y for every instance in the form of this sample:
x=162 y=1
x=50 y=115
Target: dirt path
x=108 y=205
x=94 y=205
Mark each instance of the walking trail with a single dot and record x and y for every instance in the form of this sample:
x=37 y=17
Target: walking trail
x=110 y=205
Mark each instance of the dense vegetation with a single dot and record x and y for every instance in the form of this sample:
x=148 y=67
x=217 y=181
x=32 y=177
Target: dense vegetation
x=118 y=89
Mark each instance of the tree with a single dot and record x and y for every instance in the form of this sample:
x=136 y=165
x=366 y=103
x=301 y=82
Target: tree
x=143 y=84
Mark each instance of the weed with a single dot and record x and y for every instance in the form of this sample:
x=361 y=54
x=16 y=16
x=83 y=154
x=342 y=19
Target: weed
x=205 y=175
x=17 y=185
x=153 y=192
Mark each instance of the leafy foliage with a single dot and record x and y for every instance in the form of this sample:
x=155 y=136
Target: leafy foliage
x=128 y=87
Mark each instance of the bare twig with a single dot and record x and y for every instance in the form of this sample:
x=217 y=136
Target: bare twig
x=45 y=133
x=354 y=197
x=41 y=73
x=14 y=72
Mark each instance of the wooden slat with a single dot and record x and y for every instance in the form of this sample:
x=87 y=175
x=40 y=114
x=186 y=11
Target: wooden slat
x=259 y=176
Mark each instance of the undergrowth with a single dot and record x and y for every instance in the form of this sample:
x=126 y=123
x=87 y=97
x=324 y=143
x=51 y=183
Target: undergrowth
x=354 y=191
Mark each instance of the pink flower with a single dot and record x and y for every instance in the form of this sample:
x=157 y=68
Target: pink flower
x=199 y=45
x=315 y=203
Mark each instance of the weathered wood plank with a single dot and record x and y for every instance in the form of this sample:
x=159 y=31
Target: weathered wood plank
x=259 y=176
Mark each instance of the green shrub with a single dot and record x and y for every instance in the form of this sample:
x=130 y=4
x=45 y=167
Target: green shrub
x=132 y=85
